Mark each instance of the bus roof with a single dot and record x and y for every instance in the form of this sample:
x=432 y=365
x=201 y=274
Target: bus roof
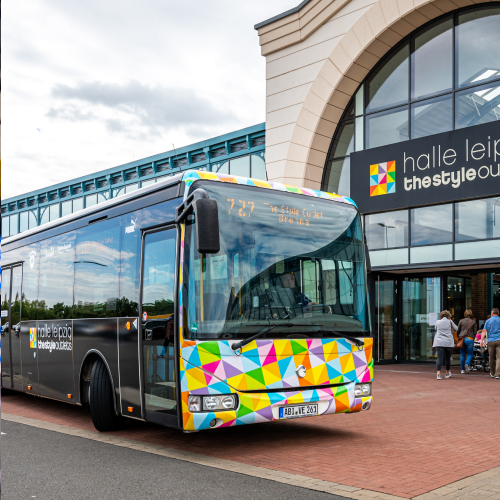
x=188 y=178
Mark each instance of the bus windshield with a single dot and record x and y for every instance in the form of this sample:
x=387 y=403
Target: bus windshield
x=286 y=260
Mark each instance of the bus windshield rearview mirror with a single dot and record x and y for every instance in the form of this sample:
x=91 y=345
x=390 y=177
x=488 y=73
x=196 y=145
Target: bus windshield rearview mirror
x=207 y=225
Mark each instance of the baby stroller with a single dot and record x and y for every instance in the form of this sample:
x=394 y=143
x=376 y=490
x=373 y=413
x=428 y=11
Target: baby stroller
x=480 y=356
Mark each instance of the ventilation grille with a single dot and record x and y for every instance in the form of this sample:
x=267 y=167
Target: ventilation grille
x=90 y=186
x=258 y=141
x=239 y=146
x=77 y=190
x=102 y=183
x=130 y=175
x=22 y=204
x=65 y=193
x=32 y=202
x=4 y=210
x=180 y=162
x=198 y=157
x=163 y=167
x=117 y=179
x=42 y=199
x=214 y=153
x=147 y=171
x=53 y=196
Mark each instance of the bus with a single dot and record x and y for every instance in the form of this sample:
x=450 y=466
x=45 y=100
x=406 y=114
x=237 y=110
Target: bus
x=202 y=301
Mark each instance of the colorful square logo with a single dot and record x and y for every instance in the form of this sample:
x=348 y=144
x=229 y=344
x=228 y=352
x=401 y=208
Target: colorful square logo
x=383 y=178
x=33 y=338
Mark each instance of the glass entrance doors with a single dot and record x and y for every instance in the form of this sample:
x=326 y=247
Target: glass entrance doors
x=385 y=320
x=158 y=332
x=421 y=301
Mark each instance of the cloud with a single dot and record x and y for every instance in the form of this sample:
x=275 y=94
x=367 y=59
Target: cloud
x=156 y=108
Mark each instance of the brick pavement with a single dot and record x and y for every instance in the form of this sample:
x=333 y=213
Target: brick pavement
x=411 y=442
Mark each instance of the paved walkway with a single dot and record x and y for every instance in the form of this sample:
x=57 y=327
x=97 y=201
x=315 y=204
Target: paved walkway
x=410 y=444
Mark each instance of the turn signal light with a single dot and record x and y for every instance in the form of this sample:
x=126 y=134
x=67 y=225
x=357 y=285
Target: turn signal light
x=130 y=409
x=29 y=387
x=129 y=326
x=69 y=396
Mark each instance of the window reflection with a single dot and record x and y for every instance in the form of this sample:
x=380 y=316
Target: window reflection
x=387 y=230
x=431 y=225
x=432 y=60
x=477 y=219
x=389 y=85
x=338 y=177
x=432 y=116
x=478 y=45
x=476 y=106
x=240 y=166
x=343 y=143
x=387 y=127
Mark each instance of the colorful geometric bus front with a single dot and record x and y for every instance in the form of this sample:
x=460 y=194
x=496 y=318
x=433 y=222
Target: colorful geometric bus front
x=274 y=325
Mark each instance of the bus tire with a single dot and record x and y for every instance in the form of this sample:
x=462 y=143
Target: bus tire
x=101 y=404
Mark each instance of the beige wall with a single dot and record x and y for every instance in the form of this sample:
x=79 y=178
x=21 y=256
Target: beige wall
x=315 y=60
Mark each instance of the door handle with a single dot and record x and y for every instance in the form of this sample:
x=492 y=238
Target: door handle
x=148 y=334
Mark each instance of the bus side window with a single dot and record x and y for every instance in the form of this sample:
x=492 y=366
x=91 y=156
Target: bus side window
x=329 y=282
x=346 y=283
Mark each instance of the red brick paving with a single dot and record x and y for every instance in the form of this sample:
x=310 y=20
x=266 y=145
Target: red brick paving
x=420 y=434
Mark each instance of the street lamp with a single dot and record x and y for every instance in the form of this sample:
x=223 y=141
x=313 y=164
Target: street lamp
x=386 y=227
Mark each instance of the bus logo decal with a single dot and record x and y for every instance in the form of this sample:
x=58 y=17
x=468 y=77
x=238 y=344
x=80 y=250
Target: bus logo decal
x=33 y=338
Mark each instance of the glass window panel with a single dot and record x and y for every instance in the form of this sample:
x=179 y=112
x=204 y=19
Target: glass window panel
x=44 y=215
x=388 y=86
x=163 y=177
x=259 y=167
x=387 y=127
x=349 y=112
x=221 y=168
x=14 y=224
x=90 y=200
x=432 y=253
x=32 y=219
x=148 y=182
x=240 y=166
x=431 y=225
x=387 y=230
x=359 y=129
x=477 y=250
x=432 y=116
x=55 y=292
x=343 y=141
x=77 y=204
x=66 y=208
x=5 y=227
x=476 y=106
x=54 y=211
x=131 y=187
x=478 y=45
x=118 y=192
x=97 y=266
x=358 y=100
x=31 y=255
x=433 y=60
x=477 y=219
x=337 y=177
x=389 y=257
x=23 y=222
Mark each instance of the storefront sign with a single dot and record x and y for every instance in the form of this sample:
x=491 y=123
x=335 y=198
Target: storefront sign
x=452 y=166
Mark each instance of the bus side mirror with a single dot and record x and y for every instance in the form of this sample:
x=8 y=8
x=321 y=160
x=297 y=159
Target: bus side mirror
x=207 y=225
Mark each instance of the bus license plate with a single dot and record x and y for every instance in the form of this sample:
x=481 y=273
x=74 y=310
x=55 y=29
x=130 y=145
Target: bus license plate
x=298 y=411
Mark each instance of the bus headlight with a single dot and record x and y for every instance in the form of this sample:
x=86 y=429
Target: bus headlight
x=228 y=402
x=211 y=403
x=363 y=390
x=194 y=403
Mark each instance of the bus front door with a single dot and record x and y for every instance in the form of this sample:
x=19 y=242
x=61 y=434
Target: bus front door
x=159 y=351
x=11 y=327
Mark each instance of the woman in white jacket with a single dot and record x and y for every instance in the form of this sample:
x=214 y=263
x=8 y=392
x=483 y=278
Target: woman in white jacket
x=444 y=342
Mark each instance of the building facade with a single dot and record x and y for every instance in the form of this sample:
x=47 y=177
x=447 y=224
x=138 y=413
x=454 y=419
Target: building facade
x=396 y=103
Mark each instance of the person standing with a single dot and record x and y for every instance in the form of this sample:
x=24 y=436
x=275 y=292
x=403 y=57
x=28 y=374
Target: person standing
x=444 y=342
x=467 y=330
x=492 y=330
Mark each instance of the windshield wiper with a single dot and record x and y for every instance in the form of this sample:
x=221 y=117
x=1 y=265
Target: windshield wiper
x=354 y=340
x=244 y=342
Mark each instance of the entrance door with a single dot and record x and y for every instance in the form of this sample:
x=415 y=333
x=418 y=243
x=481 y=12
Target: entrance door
x=11 y=327
x=385 y=320
x=421 y=307
x=159 y=343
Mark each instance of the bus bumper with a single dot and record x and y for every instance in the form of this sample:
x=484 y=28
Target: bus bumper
x=265 y=407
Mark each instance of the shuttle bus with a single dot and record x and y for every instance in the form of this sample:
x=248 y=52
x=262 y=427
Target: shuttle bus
x=199 y=302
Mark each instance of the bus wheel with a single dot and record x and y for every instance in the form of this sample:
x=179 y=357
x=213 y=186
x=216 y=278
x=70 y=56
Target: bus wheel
x=101 y=405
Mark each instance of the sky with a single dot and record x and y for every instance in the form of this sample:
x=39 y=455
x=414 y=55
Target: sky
x=90 y=85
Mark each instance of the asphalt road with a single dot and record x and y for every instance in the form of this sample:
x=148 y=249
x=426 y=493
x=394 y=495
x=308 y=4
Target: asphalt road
x=46 y=465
